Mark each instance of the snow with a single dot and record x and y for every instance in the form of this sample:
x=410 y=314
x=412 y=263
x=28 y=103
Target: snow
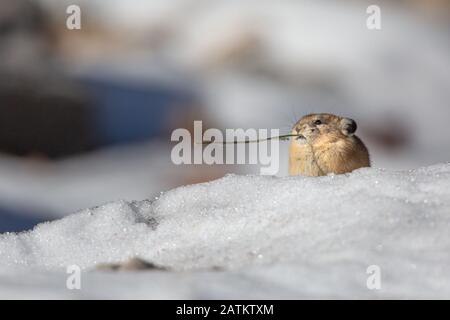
x=250 y=237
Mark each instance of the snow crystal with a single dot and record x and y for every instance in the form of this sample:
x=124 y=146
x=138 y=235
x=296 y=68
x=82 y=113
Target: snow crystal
x=253 y=237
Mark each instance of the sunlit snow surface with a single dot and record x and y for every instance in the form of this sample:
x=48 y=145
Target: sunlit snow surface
x=250 y=237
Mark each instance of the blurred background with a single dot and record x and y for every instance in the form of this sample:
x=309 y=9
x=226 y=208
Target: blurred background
x=86 y=115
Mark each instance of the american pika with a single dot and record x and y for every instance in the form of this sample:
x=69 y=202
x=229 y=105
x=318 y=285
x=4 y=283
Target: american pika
x=326 y=144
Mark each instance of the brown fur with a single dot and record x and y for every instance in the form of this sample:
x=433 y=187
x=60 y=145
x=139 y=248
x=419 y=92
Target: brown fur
x=328 y=147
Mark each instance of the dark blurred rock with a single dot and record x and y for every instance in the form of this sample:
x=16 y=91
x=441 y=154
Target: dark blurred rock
x=41 y=122
x=41 y=110
x=133 y=264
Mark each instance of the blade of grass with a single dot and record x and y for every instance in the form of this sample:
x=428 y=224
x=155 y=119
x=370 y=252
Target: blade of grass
x=282 y=137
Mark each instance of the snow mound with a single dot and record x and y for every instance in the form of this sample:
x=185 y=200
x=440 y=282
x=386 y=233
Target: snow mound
x=299 y=236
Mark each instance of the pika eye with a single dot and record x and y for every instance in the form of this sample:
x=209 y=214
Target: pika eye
x=317 y=122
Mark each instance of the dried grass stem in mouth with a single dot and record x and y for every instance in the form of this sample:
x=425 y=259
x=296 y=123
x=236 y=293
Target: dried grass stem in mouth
x=282 y=137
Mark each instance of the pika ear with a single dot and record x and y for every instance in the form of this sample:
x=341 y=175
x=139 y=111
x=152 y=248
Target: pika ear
x=348 y=126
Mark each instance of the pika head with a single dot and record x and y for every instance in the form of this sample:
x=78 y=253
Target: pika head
x=326 y=143
x=322 y=128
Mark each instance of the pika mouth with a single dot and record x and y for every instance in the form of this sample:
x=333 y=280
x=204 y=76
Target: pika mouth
x=300 y=137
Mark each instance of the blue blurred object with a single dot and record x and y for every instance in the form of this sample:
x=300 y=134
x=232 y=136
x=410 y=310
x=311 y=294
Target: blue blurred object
x=124 y=113
x=14 y=220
